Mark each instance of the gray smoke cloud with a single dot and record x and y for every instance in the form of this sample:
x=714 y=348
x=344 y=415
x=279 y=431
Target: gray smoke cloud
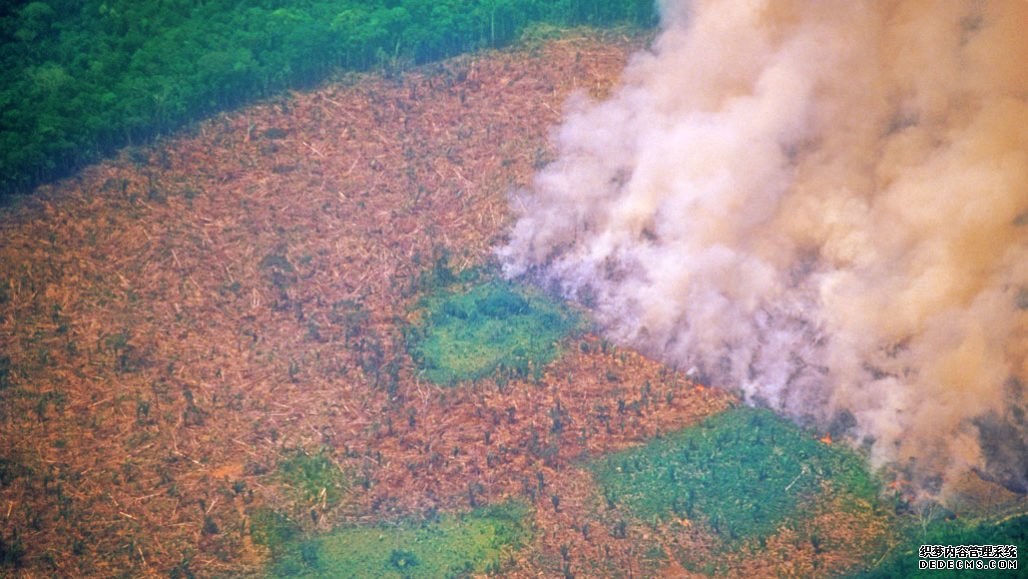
x=821 y=204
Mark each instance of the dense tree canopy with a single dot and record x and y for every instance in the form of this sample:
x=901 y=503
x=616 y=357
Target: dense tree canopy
x=82 y=78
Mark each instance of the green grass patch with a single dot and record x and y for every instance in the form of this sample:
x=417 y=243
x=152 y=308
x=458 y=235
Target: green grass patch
x=903 y=561
x=448 y=546
x=273 y=530
x=742 y=473
x=495 y=327
x=314 y=478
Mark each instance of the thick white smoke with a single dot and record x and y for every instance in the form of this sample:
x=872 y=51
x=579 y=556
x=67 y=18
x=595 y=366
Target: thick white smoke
x=823 y=204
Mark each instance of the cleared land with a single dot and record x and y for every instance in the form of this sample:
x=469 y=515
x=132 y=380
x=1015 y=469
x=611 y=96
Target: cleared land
x=238 y=349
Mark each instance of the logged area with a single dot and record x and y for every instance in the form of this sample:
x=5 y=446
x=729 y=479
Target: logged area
x=278 y=345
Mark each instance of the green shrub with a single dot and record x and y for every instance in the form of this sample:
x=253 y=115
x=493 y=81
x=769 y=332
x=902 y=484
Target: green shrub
x=492 y=327
x=742 y=472
x=313 y=477
x=449 y=546
x=272 y=529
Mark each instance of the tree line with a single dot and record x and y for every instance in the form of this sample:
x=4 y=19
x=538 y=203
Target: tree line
x=83 y=78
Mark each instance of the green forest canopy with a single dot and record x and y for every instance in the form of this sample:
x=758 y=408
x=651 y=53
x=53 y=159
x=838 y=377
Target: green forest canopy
x=83 y=78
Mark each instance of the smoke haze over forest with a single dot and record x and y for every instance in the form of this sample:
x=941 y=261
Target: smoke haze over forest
x=821 y=204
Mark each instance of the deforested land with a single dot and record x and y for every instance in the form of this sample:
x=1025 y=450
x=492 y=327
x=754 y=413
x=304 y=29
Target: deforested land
x=277 y=343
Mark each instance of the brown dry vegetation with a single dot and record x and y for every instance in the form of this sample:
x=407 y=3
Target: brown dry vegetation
x=181 y=318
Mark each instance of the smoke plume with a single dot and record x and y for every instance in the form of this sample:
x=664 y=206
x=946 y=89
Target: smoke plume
x=822 y=204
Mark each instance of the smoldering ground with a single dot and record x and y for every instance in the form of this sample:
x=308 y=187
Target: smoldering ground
x=821 y=204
